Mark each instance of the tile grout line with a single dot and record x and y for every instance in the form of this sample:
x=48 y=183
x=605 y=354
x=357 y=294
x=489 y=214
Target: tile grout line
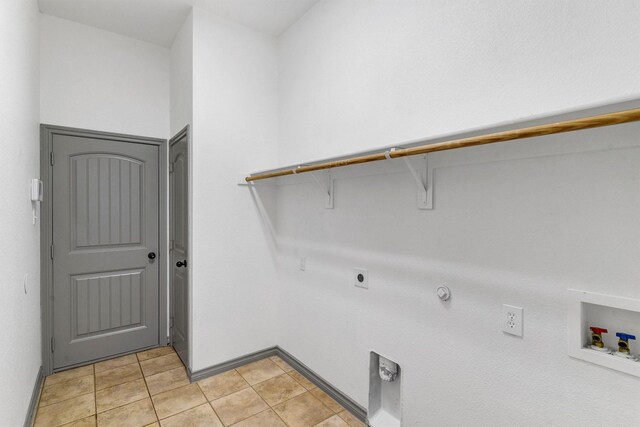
x=273 y=410
x=268 y=379
x=144 y=378
x=71 y=398
x=271 y=407
x=280 y=403
x=172 y=389
x=188 y=409
x=225 y=395
x=287 y=400
x=117 y=367
x=307 y=391
x=163 y=371
x=261 y=412
x=301 y=394
x=260 y=397
x=222 y=397
x=209 y=402
x=169 y=389
x=65 y=400
x=95 y=395
x=44 y=386
x=39 y=406
x=124 y=404
x=95 y=390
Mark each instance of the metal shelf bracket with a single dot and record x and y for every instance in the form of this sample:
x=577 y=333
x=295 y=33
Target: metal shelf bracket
x=323 y=181
x=423 y=178
x=325 y=185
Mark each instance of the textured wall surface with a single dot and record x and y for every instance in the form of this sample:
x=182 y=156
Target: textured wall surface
x=98 y=80
x=181 y=106
x=357 y=74
x=20 y=356
x=234 y=130
x=517 y=223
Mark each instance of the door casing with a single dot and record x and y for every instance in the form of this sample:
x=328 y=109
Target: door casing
x=47 y=133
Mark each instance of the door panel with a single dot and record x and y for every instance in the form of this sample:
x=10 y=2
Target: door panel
x=179 y=235
x=106 y=200
x=105 y=222
x=103 y=302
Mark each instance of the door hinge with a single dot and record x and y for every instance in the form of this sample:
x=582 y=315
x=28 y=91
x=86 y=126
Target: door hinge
x=53 y=344
x=51 y=158
x=171 y=322
x=51 y=252
x=172 y=244
x=171 y=166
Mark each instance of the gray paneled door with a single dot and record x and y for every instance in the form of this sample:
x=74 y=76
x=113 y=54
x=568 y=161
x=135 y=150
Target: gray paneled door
x=105 y=241
x=179 y=237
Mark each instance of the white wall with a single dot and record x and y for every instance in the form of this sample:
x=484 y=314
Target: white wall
x=358 y=74
x=181 y=79
x=234 y=131
x=181 y=115
x=98 y=80
x=20 y=355
x=517 y=223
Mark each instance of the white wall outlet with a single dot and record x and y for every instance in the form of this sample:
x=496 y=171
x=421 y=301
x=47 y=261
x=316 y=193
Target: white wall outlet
x=361 y=278
x=303 y=263
x=512 y=319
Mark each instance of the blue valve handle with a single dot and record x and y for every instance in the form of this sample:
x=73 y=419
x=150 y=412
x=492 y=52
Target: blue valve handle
x=625 y=337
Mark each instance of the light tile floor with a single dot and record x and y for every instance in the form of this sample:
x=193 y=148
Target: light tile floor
x=151 y=388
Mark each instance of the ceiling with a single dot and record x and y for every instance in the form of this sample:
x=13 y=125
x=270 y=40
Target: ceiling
x=158 y=21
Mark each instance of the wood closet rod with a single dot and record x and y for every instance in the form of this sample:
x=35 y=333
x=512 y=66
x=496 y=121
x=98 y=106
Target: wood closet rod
x=609 y=119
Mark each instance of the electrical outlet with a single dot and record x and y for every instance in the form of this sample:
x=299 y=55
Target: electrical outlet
x=361 y=278
x=512 y=320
